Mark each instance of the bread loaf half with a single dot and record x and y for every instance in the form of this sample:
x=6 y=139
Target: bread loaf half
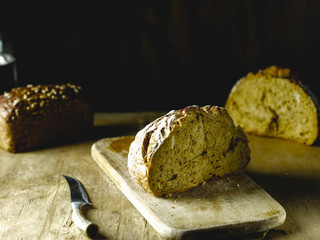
x=185 y=148
x=274 y=103
x=36 y=115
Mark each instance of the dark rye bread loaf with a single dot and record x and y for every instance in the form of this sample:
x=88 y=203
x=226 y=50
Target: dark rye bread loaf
x=274 y=103
x=184 y=148
x=36 y=115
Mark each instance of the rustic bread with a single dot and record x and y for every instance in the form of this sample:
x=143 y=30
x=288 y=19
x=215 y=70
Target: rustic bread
x=35 y=115
x=273 y=102
x=185 y=148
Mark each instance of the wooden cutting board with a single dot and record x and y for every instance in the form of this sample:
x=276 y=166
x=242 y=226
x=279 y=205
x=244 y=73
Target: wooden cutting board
x=228 y=206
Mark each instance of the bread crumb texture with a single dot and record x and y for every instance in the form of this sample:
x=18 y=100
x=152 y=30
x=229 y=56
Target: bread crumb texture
x=273 y=102
x=184 y=148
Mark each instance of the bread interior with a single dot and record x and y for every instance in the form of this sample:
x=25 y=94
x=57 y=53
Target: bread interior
x=201 y=147
x=274 y=107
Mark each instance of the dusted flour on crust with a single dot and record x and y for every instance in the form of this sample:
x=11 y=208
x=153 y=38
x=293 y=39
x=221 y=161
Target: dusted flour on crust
x=186 y=147
x=274 y=103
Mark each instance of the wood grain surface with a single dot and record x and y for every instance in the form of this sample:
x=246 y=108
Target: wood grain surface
x=35 y=199
x=223 y=207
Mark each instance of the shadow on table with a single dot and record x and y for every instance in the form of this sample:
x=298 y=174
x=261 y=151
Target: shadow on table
x=94 y=134
x=289 y=188
x=267 y=235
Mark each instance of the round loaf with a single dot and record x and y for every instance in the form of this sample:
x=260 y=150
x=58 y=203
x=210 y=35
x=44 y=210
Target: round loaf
x=184 y=148
x=274 y=103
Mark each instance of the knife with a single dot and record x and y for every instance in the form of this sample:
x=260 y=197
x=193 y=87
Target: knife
x=79 y=199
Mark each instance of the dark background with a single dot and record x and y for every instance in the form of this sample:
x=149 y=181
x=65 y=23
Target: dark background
x=161 y=55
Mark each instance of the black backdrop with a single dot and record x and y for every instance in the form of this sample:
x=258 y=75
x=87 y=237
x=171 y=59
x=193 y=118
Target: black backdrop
x=160 y=55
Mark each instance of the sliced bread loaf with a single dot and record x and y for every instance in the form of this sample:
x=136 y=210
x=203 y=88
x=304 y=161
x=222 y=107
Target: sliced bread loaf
x=274 y=103
x=185 y=148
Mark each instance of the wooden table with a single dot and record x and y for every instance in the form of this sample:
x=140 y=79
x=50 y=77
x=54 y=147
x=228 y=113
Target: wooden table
x=35 y=199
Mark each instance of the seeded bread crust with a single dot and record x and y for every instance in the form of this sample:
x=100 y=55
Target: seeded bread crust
x=279 y=75
x=141 y=158
x=32 y=116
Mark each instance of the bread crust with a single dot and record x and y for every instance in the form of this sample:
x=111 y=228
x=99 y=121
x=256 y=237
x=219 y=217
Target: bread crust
x=149 y=140
x=281 y=74
x=32 y=116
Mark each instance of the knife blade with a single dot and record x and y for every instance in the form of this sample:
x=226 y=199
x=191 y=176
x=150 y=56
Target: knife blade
x=79 y=199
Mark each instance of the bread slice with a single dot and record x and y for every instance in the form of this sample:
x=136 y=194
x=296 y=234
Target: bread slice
x=184 y=148
x=273 y=102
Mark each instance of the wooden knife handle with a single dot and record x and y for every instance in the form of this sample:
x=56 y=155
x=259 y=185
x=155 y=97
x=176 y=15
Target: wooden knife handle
x=83 y=223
